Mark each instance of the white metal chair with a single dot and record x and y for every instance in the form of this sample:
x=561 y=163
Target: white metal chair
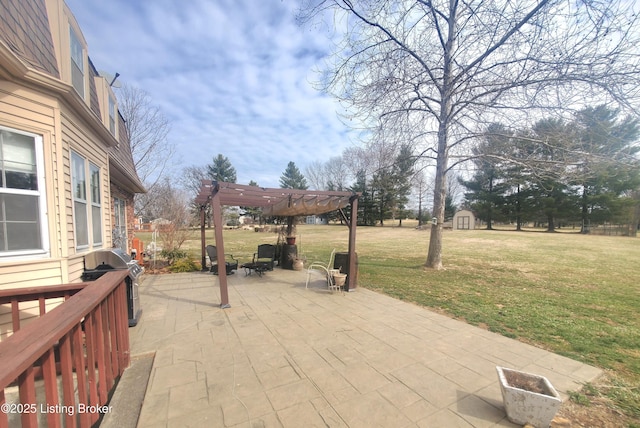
x=326 y=269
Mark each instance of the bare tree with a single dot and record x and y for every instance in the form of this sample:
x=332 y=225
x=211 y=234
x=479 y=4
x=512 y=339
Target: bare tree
x=421 y=185
x=191 y=179
x=336 y=172
x=171 y=205
x=147 y=129
x=434 y=72
x=315 y=173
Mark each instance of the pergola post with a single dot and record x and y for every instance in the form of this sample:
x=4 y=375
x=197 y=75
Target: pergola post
x=217 y=225
x=353 y=221
x=203 y=237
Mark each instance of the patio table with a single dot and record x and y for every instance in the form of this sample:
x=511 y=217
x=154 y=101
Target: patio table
x=258 y=267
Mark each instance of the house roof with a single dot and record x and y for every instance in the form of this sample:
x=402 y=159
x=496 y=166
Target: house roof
x=275 y=202
x=25 y=31
x=122 y=159
x=24 y=27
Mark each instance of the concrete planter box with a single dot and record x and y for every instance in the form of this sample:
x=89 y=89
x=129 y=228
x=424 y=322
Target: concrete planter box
x=528 y=398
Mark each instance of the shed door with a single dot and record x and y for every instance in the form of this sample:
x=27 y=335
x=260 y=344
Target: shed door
x=463 y=222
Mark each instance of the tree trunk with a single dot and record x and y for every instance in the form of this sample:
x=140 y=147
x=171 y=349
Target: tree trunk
x=551 y=227
x=518 y=210
x=434 y=257
x=585 y=212
x=490 y=208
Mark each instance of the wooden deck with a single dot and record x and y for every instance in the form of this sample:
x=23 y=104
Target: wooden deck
x=81 y=347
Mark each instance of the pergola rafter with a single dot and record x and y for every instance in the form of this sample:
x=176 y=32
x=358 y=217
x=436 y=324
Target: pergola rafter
x=274 y=202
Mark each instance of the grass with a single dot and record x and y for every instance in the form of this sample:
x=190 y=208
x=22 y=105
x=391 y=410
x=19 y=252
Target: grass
x=576 y=295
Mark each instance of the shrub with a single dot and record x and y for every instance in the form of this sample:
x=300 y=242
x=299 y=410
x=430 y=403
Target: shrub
x=173 y=255
x=184 y=265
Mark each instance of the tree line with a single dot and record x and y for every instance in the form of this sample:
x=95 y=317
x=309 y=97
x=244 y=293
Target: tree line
x=580 y=171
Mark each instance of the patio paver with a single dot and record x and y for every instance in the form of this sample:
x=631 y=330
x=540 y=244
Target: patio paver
x=286 y=356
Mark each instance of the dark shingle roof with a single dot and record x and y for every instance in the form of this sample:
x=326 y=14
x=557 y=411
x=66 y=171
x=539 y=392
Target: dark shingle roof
x=24 y=25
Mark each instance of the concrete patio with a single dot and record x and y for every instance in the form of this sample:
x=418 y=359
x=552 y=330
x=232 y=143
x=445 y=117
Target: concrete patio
x=286 y=356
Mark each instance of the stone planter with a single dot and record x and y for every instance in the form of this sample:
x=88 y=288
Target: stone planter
x=528 y=398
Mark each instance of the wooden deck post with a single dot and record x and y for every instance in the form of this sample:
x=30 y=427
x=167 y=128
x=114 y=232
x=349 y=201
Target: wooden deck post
x=353 y=222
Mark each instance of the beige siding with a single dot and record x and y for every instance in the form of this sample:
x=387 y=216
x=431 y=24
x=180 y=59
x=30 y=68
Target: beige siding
x=76 y=266
x=28 y=110
x=62 y=132
x=30 y=274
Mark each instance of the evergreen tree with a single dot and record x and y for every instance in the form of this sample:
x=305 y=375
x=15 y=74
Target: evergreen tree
x=606 y=164
x=292 y=178
x=486 y=189
x=254 y=212
x=366 y=214
x=391 y=185
x=552 y=197
x=221 y=170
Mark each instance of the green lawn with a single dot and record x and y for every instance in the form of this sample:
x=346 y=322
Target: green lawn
x=576 y=295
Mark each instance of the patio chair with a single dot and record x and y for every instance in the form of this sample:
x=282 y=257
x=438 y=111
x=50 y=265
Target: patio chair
x=230 y=263
x=325 y=269
x=266 y=255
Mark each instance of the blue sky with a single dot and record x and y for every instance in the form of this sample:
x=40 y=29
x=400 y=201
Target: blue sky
x=233 y=77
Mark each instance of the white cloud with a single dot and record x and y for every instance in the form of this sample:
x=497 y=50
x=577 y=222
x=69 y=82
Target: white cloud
x=233 y=78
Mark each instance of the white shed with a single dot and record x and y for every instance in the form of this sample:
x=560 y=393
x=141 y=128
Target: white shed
x=464 y=220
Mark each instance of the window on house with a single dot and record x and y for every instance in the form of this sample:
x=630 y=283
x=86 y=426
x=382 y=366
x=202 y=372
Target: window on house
x=119 y=224
x=87 y=205
x=96 y=208
x=112 y=115
x=77 y=63
x=22 y=195
x=79 y=180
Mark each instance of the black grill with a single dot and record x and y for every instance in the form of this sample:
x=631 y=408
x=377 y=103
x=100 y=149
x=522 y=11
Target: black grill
x=99 y=262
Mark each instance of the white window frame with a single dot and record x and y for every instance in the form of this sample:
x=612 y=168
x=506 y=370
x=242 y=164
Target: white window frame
x=41 y=194
x=120 y=232
x=77 y=63
x=80 y=203
x=84 y=203
x=112 y=115
x=96 y=203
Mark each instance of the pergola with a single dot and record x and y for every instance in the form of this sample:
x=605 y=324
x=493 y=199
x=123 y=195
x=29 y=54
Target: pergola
x=274 y=202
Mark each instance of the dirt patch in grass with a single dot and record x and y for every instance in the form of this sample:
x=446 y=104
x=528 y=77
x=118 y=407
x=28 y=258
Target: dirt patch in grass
x=594 y=411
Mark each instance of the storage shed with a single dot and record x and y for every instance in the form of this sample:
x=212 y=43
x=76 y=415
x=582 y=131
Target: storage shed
x=464 y=220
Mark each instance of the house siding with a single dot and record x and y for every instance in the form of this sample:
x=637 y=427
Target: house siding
x=32 y=112
x=36 y=33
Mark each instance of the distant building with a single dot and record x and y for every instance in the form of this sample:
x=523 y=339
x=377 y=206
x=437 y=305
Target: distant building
x=464 y=220
x=314 y=219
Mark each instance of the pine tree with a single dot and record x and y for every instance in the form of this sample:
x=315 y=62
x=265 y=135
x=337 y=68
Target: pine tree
x=221 y=170
x=292 y=178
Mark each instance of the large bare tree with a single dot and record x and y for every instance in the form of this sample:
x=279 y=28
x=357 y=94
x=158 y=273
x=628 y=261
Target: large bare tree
x=434 y=72
x=147 y=129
